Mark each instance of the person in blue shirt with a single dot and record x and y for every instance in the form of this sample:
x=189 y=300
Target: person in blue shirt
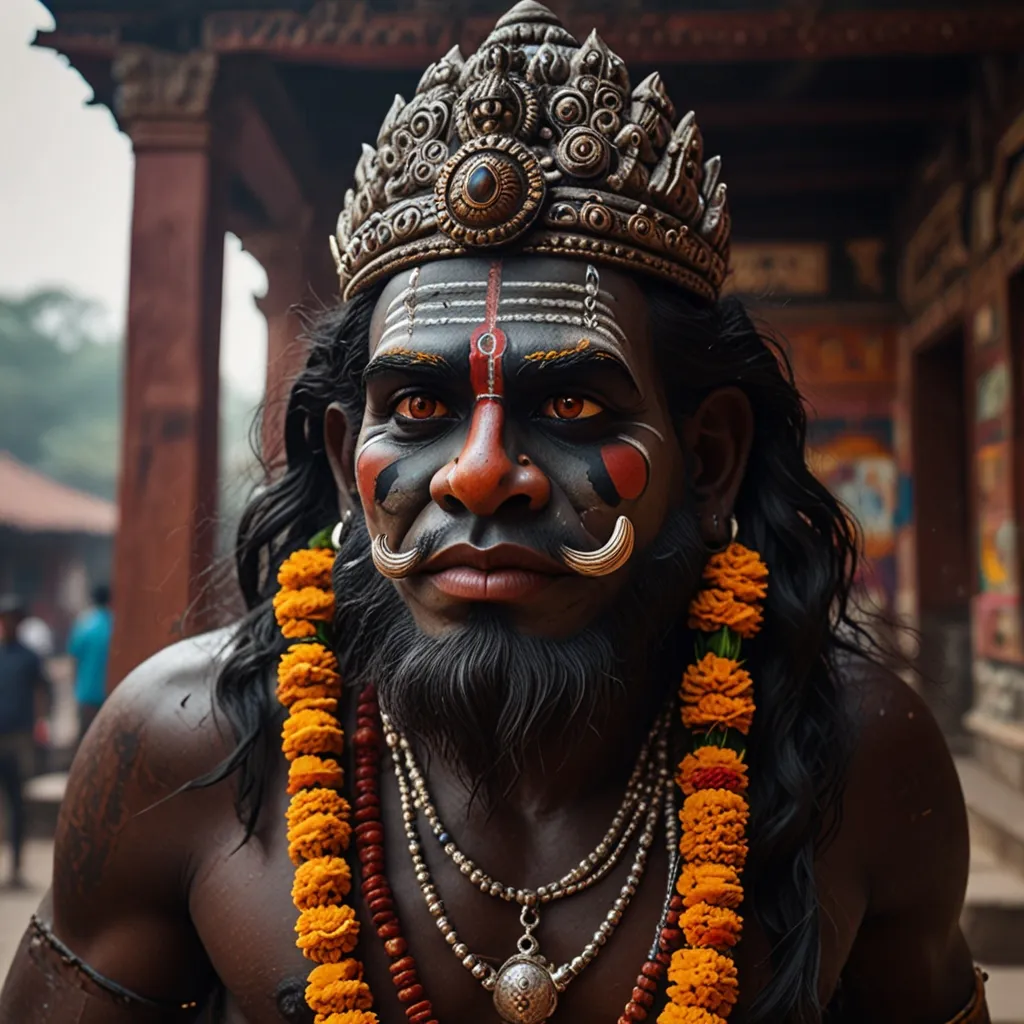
x=89 y=645
x=25 y=697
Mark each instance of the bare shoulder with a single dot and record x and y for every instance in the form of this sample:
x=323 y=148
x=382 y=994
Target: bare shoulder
x=120 y=832
x=903 y=799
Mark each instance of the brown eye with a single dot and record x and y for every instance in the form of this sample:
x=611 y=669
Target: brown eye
x=571 y=407
x=421 y=407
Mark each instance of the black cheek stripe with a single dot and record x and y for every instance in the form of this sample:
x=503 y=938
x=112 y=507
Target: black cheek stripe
x=598 y=476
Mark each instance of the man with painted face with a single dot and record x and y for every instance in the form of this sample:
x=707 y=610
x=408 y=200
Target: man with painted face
x=534 y=424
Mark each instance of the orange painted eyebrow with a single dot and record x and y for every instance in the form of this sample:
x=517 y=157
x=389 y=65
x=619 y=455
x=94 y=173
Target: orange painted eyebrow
x=432 y=358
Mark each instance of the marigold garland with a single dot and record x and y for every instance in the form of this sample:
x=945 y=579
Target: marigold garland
x=318 y=816
x=716 y=695
x=717 y=706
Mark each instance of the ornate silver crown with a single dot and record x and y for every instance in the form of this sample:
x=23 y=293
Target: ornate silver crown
x=536 y=142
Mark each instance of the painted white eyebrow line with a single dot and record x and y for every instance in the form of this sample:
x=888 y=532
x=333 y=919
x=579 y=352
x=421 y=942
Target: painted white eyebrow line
x=606 y=326
x=439 y=287
x=571 y=304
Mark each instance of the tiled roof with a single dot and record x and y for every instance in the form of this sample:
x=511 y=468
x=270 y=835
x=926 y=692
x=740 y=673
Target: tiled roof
x=35 y=503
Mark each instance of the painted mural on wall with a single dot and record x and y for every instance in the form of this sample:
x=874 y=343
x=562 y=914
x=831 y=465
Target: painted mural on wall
x=841 y=355
x=854 y=459
x=997 y=627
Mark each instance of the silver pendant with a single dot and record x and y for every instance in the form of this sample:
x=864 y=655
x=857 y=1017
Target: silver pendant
x=524 y=988
x=524 y=991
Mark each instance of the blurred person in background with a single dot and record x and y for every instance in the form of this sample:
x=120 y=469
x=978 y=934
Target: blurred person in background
x=89 y=645
x=37 y=636
x=25 y=698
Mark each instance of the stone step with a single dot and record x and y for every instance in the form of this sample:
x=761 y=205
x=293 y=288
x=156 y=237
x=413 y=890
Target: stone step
x=995 y=811
x=993 y=916
x=1005 y=994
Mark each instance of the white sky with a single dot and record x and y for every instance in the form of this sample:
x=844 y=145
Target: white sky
x=66 y=190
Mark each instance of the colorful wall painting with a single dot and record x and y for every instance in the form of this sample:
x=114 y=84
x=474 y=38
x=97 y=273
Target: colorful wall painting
x=855 y=461
x=842 y=355
x=997 y=627
x=997 y=541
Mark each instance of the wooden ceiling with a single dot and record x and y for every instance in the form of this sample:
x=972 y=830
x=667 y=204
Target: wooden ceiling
x=824 y=112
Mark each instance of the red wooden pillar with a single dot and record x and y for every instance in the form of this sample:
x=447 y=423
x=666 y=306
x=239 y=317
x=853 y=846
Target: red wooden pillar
x=168 y=480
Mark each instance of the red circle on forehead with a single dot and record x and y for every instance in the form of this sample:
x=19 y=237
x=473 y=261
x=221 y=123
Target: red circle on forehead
x=627 y=469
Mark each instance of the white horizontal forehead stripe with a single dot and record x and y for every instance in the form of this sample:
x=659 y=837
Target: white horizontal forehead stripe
x=418 y=291
x=604 y=325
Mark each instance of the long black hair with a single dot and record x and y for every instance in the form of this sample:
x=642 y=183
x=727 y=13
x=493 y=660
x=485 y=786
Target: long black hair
x=803 y=732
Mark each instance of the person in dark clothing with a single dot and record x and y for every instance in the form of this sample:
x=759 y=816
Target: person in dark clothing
x=25 y=696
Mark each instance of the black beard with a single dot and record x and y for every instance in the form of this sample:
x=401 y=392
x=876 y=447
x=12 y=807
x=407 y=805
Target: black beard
x=485 y=696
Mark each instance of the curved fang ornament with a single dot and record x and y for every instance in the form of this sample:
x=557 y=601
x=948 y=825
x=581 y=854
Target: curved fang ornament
x=388 y=563
x=606 y=559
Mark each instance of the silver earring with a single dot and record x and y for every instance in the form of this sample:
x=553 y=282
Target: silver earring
x=734 y=529
x=607 y=558
x=340 y=531
x=389 y=563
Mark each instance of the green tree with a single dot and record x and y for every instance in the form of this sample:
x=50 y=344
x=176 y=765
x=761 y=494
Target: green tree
x=60 y=388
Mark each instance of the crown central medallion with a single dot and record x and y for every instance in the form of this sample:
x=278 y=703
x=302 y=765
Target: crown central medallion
x=489 y=191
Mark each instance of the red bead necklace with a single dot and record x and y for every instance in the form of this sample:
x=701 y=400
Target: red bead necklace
x=369 y=835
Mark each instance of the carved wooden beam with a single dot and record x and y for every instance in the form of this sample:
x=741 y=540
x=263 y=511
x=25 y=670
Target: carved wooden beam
x=351 y=34
x=810 y=112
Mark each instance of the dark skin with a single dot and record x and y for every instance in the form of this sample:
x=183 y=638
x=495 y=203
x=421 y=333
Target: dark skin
x=157 y=895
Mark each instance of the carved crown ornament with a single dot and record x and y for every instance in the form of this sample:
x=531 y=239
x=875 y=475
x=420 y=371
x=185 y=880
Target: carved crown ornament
x=539 y=143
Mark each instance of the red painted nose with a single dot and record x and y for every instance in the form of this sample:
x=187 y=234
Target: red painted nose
x=483 y=478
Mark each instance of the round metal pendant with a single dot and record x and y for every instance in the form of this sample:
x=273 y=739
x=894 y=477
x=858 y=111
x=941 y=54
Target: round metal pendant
x=489 y=192
x=524 y=992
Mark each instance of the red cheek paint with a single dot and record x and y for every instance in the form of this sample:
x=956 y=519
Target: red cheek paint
x=370 y=464
x=627 y=469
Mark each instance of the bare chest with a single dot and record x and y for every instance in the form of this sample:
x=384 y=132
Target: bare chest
x=241 y=906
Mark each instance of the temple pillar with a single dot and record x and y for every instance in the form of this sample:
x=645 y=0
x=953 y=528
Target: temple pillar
x=169 y=466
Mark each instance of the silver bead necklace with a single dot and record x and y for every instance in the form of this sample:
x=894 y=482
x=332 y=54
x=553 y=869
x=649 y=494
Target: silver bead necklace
x=526 y=987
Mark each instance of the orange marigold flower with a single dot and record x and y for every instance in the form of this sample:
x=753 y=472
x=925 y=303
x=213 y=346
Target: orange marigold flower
x=740 y=571
x=703 y=978
x=714 y=828
x=712 y=609
x=326 y=934
x=717 y=712
x=319 y=835
x=308 y=567
x=705 y=925
x=338 y=987
x=713 y=674
x=308 y=802
x=674 y=1014
x=346 y=1017
x=309 y=770
x=309 y=603
x=328 y=704
x=307 y=671
x=311 y=732
x=320 y=882
x=716 y=884
x=702 y=768
x=296 y=629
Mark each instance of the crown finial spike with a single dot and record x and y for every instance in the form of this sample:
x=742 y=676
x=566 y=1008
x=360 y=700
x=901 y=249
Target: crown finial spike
x=528 y=11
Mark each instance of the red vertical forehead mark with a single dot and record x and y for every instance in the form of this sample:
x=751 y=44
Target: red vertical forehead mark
x=627 y=468
x=487 y=345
